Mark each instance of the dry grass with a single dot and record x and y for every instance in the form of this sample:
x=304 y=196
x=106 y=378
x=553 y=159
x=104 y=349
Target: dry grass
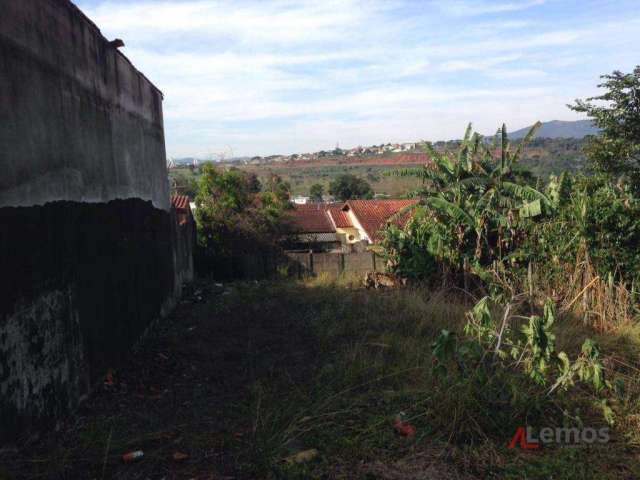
x=602 y=303
x=273 y=368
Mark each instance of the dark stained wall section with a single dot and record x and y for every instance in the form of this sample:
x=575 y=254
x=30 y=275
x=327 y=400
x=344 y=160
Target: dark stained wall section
x=81 y=282
x=87 y=237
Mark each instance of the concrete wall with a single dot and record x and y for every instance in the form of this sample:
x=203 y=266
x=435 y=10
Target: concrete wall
x=80 y=122
x=272 y=264
x=184 y=245
x=87 y=238
x=334 y=264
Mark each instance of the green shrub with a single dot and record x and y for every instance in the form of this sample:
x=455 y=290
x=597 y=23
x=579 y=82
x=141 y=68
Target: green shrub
x=597 y=216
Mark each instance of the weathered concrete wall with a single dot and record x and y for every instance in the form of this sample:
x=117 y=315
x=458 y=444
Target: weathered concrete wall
x=81 y=123
x=252 y=266
x=87 y=238
x=185 y=242
x=334 y=264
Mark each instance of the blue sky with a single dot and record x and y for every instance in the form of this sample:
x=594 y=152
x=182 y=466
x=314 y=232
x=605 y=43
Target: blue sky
x=258 y=77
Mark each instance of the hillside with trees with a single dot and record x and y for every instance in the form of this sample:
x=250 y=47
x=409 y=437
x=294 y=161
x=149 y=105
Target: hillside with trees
x=560 y=129
x=543 y=156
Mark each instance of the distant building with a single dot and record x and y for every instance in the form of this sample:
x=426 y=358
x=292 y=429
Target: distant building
x=300 y=200
x=311 y=228
x=345 y=225
x=370 y=217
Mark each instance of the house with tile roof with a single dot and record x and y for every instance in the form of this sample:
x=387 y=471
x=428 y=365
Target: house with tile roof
x=345 y=226
x=370 y=217
x=182 y=206
x=185 y=237
x=311 y=227
x=345 y=230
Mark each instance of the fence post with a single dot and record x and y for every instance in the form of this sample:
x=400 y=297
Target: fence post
x=373 y=261
x=310 y=262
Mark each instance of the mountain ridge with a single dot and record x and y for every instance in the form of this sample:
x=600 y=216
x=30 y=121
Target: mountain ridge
x=560 y=129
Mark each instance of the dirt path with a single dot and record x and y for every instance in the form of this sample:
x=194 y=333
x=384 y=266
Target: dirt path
x=182 y=391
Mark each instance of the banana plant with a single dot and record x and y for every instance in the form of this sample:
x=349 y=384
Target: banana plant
x=476 y=198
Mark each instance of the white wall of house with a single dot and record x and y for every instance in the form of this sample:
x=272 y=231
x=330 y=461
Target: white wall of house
x=358 y=226
x=352 y=234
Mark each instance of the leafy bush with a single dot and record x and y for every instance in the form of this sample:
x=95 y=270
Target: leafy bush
x=404 y=250
x=595 y=216
x=498 y=340
x=235 y=214
x=476 y=208
x=482 y=224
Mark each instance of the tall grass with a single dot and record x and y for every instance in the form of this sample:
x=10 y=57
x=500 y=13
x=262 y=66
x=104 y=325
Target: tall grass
x=371 y=359
x=604 y=304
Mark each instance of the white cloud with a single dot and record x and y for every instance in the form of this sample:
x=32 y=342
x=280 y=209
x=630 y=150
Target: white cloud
x=268 y=77
x=271 y=22
x=480 y=7
x=477 y=63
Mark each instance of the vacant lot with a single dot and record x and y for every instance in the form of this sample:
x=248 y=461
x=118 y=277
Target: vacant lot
x=243 y=377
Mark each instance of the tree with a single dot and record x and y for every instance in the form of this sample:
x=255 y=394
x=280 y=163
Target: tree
x=315 y=192
x=349 y=187
x=276 y=186
x=473 y=204
x=229 y=191
x=235 y=214
x=616 y=151
x=183 y=183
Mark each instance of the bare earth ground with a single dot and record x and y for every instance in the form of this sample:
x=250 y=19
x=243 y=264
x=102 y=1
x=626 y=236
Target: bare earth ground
x=251 y=374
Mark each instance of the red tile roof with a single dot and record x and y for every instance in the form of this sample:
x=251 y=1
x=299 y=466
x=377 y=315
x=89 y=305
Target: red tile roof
x=310 y=218
x=180 y=202
x=373 y=215
x=183 y=210
x=340 y=218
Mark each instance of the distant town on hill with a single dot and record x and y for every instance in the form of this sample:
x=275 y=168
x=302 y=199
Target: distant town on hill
x=555 y=129
x=558 y=147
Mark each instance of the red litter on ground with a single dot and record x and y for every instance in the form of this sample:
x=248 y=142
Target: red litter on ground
x=404 y=428
x=132 y=456
x=109 y=380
